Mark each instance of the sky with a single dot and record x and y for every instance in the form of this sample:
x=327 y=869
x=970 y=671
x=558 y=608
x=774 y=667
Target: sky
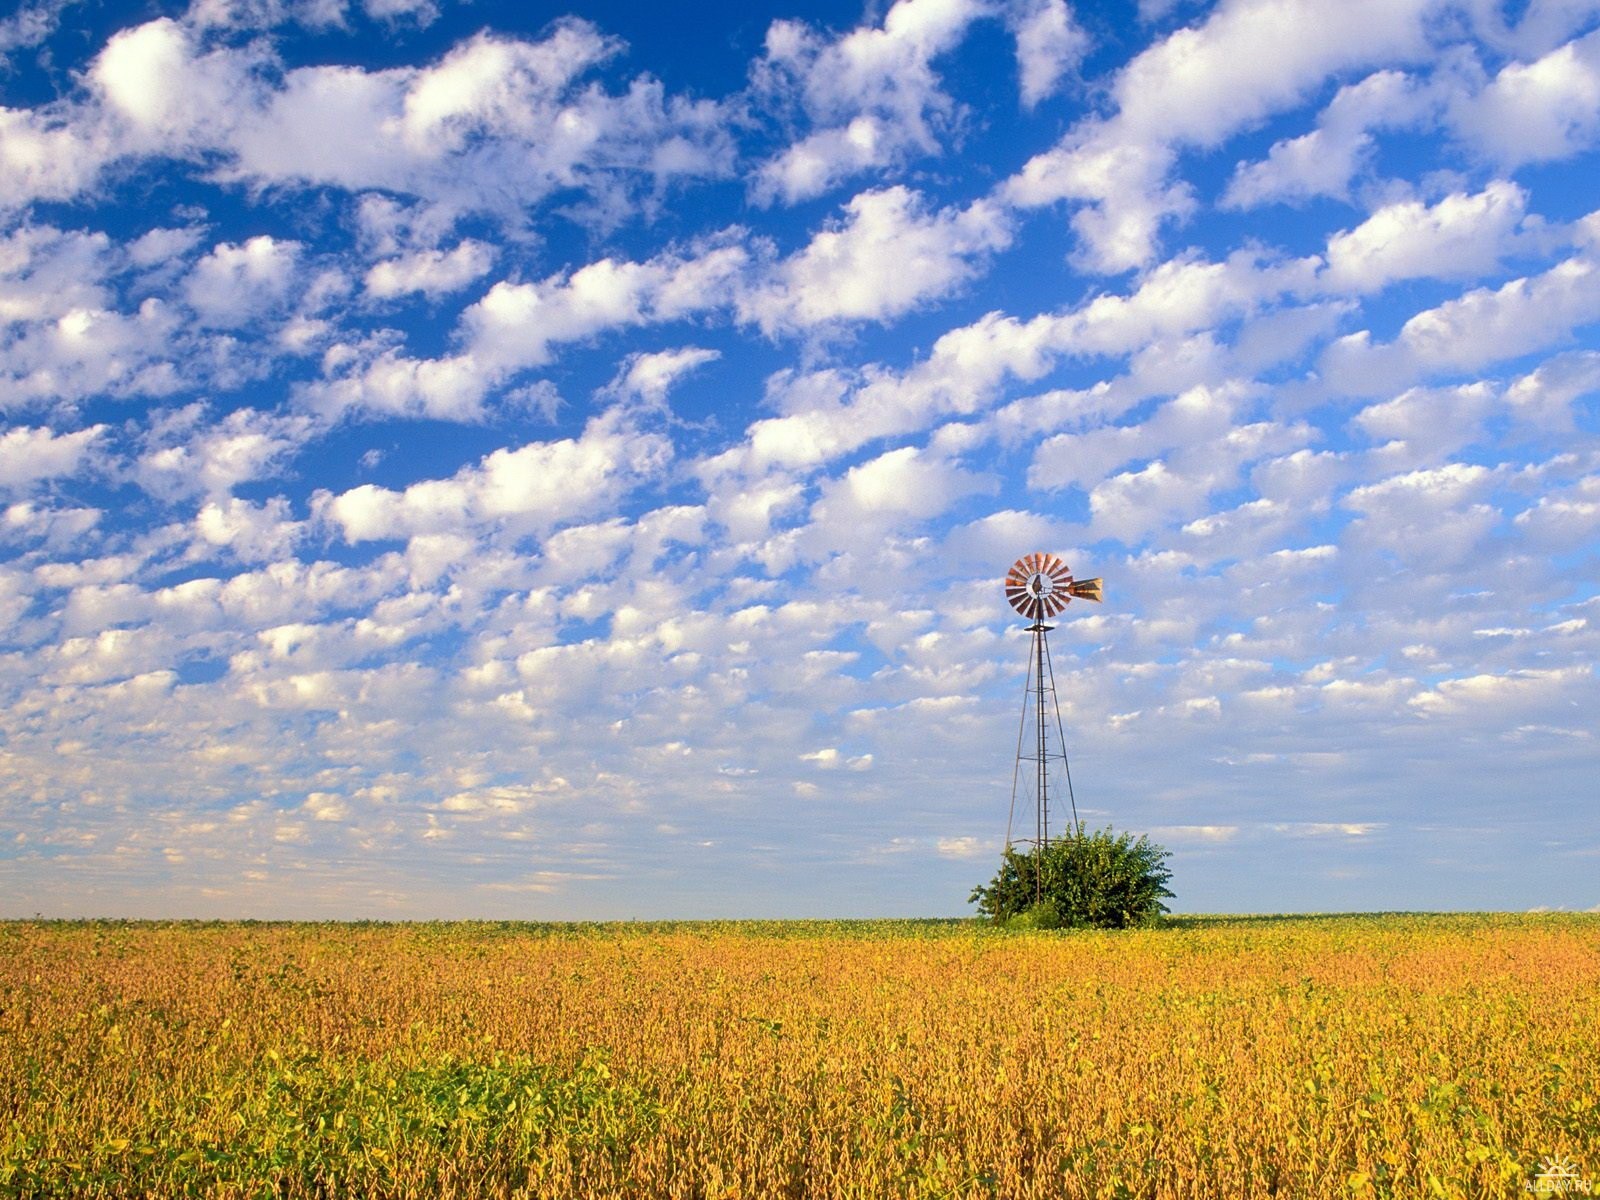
x=512 y=460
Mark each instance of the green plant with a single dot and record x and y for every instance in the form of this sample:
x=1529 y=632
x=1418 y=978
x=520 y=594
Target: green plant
x=1043 y=915
x=1099 y=880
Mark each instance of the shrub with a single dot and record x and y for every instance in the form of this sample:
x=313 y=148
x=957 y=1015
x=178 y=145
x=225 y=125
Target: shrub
x=1100 y=880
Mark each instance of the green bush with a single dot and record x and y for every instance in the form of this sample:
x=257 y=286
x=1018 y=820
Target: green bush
x=1100 y=880
x=1043 y=915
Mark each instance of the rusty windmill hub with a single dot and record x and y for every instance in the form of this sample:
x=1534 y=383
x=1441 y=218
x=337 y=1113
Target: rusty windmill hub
x=1039 y=586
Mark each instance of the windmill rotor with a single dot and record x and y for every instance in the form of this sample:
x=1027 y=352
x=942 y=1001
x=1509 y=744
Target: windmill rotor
x=1039 y=586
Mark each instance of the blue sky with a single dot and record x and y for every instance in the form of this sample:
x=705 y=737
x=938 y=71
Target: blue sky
x=514 y=460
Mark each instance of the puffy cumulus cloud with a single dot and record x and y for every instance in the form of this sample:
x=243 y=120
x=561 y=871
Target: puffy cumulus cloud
x=313 y=14
x=236 y=285
x=1545 y=397
x=50 y=272
x=828 y=413
x=873 y=93
x=1535 y=29
x=1434 y=518
x=31 y=24
x=1427 y=426
x=1481 y=327
x=1084 y=459
x=1132 y=504
x=533 y=487
x=650 y=376
x=164 y=94
x=829 y=758
x=92 y=351
x=889 y=255
x=1247 y=60
x=496 y=125
x=1324 y=161
x=190 y=452
x=31 y=455
x=1536 y=111
x=251 y=532
x=1460 y=237
x=1564 y=520
x=902 y=485
x=1050 y=45
x=872 y=96
x=1183 y=296
x=56 y=529
x=507 y=111
x=433 y=273
x=46 y=157
x=516 y=326
x=1516 y=696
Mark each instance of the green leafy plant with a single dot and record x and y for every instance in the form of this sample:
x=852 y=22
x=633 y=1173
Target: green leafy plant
x=1099 y=880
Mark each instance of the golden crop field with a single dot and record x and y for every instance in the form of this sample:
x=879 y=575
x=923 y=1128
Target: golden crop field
x=1212 y=1057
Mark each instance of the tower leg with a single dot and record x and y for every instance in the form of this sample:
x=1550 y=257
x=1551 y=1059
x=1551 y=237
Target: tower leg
x=1043 y=791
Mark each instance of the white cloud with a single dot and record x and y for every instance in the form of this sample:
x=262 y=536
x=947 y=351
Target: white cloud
x=253 y=532
x=31 y=24
x=1460 y=237
x=515 y=326
x=49 y=272
x=508 y=111
x=1512 y=696
x=31 y=455
x=1545 y=396
x=650 y=376
x=1483 y=326
x=535 y=486
x=905 y=482
x=1050 y=44
x=872 y=92
x=889 y=255
x=169 y=95
x=1538 y=111
x=318 y=15
x=88 y=351
x=238 y=284
x=1204 y=834
x=1324 y=161
x=1436 y=519
x=1431 y=423
x=617 y=625
x=1564 y=520
x=44 y=157
x=1248 y=60
x=434 y=273
x=896 y=490
x=965 y=847
x=498 y=124
x=188 y=453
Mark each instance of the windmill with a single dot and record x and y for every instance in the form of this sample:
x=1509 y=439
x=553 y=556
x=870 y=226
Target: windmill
x=1040 y=586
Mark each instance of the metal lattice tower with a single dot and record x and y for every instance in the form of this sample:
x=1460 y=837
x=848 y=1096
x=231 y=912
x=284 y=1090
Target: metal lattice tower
x=1040 y=586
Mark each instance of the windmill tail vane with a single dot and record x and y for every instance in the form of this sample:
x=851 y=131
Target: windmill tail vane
x=1040 y=586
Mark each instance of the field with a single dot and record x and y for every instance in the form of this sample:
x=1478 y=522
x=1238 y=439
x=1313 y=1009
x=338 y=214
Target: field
x=1213 y=1057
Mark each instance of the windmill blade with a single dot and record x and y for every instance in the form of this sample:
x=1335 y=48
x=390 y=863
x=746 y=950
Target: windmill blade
x=1087 y=589
x=1040 y=585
